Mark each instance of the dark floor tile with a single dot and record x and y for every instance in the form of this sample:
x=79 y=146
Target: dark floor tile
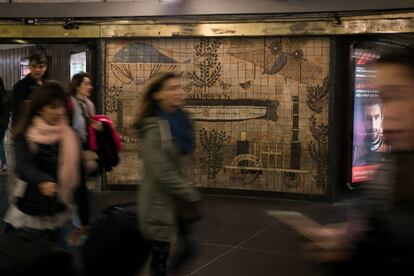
x=226 y=223
x=240 y=262
x=207 y=253
x=231 y=220
x=279 y=239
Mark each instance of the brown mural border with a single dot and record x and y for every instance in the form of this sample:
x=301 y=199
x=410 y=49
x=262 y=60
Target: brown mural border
x=322 y=25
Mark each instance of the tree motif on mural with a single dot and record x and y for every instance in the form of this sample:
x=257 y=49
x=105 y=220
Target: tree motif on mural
x=212 y=143
x=318 y=96
x=207 y=62
x=111 y=99
x=318 y=150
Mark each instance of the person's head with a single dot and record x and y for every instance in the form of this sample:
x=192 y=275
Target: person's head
x=37 y=66
x=81 y=85
x=372 y=117
x=163 y=92
x=396 y=84
x=49 y=102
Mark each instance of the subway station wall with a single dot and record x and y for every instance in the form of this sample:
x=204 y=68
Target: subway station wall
x=260 y=107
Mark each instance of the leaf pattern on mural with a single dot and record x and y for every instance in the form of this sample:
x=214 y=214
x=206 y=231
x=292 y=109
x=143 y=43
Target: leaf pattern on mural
x=318 y=96
x=318 y=150
x=207 y=62
x=212 y=143
x=111 y=99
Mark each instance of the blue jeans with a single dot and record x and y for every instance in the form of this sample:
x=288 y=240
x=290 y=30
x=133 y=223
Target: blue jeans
x=2 y=151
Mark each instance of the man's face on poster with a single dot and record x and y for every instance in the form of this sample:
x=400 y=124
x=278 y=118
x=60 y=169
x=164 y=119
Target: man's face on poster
x=372 y=115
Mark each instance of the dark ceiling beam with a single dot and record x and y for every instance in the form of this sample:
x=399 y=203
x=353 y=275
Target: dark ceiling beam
x=153 y=8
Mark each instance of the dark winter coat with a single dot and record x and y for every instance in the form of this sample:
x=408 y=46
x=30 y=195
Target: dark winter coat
x=35 y=168
x=22 y=92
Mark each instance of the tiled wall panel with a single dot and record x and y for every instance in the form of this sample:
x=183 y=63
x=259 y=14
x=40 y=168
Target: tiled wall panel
x=260 y=107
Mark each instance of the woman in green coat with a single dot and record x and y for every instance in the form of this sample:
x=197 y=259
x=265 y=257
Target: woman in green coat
x=165 y=196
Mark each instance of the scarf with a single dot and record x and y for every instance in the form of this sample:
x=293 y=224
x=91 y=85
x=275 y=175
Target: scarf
x=41 y=132
x=82 y=111
x=181 y=130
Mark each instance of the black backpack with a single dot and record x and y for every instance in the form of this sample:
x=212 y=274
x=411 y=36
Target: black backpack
x=115 y=245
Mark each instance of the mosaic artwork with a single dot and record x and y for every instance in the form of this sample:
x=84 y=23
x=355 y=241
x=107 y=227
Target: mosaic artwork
x=318 y=149
x=212 y=143
x=260 y=107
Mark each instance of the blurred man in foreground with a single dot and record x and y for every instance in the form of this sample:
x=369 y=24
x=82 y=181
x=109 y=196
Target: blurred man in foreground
x=378 y=239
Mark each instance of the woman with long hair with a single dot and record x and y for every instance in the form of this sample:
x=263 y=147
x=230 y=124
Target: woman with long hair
x=80 y=89
x=47 y=153
x=165 y=196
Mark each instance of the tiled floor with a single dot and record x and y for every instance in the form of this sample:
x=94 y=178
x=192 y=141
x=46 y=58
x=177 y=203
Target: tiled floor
x=238 y=238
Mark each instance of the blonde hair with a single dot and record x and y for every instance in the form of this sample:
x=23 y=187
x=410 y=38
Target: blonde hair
x=149 y=106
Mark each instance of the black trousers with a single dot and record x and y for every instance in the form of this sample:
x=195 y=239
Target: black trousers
x=160 y=252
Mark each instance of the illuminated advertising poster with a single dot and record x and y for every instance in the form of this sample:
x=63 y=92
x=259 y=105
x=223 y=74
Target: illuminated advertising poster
x=77 y=63
x=24 y=68
x=368 y=142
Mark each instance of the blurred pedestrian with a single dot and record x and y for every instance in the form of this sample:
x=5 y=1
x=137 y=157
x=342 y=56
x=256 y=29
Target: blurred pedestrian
x=378 y=239
x=47 y=168
x=82 y=111
x=80 y=89
x=23 y=89
x=166 y=198
x=4 y=123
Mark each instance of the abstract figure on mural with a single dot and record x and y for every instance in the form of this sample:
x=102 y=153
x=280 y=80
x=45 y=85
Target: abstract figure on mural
x=253 y=158
x=318 y=150
x=318 y=96
x=132 y=58
x=277 y=56
x=111 y=98
x=212 y=143
x=141 y=53
x=246 y=169
x=317 y=99
x=290 y=179
x=246 y=85
x=228 y=110
x=223 y=84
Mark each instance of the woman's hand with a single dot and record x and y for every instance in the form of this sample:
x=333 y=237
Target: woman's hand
x=96 y=125
x=48 y=188
x=73 y=238
x=329 y=244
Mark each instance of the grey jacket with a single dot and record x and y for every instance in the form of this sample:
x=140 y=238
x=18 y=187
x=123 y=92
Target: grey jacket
x=164 y=189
